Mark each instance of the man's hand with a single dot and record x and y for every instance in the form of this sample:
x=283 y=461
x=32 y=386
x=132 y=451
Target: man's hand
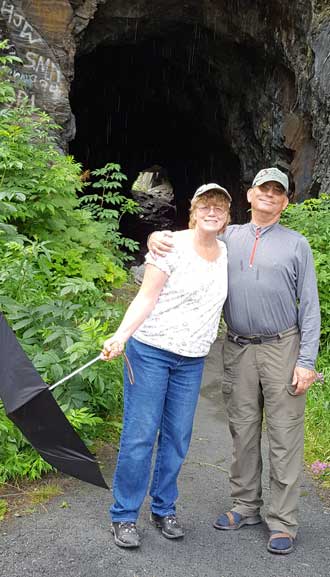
x=112 y=348
x=160 y=242
x=303 y=379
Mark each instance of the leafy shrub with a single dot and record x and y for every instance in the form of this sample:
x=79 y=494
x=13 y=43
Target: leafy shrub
x=18 y=458
x=61 y=256
x=312 y=219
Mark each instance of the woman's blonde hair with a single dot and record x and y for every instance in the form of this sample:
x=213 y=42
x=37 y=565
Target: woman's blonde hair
x=207 y=199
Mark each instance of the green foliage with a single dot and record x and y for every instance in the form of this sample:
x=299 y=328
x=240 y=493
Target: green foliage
x=38 y=195
x=7 y=90
x=108 y=205
x=317 y=426
x=312 y=219
x=18 y=458
x=39 y=189
x=61 y=256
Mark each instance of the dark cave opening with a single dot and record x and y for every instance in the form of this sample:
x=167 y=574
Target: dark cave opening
x=154 y=102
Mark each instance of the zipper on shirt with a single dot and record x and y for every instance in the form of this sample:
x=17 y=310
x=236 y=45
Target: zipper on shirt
x=254 y=248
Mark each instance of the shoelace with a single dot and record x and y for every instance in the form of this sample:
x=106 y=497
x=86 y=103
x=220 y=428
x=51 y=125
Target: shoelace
x=128 y=527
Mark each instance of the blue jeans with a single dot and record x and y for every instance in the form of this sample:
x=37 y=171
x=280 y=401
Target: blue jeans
x=163 y=398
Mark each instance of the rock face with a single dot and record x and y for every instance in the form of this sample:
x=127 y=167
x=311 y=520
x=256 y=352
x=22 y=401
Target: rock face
x=211 y=90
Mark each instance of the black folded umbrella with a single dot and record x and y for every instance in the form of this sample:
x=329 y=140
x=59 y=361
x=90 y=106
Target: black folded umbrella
x=30 y=405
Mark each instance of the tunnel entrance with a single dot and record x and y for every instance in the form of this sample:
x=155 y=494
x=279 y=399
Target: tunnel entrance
x=203 y=105
x=154 y=103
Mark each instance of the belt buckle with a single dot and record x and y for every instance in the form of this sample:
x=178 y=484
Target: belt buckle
x=256 y=340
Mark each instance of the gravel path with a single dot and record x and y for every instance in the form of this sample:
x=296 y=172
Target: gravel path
x=75 y=541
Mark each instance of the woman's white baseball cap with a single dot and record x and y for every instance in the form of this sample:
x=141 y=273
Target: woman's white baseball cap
x=211 y=186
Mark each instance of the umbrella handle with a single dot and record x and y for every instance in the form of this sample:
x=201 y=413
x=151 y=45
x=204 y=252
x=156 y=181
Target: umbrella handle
x=128 y=364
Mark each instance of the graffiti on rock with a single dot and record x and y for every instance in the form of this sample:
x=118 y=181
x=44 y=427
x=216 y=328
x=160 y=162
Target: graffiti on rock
x=19 y=22
x=39 y=73
x=50 y=72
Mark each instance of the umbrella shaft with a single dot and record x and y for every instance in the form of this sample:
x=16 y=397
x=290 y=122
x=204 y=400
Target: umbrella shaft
x=75 y=372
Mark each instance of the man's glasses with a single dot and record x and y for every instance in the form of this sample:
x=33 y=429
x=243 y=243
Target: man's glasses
x=218 y=210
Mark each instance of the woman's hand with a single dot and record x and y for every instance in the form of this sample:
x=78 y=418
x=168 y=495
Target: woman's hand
x=160 y=242
x=112 y=348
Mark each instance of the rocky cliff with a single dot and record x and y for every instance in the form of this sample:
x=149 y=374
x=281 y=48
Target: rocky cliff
x=211 y=89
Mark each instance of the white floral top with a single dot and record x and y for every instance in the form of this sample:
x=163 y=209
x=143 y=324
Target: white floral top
x=186 y=316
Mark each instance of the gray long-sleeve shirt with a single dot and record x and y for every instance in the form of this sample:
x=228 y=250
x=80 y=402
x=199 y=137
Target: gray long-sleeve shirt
x=272 y=285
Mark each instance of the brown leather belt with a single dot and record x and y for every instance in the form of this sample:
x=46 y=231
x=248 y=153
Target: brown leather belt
x=243 y=340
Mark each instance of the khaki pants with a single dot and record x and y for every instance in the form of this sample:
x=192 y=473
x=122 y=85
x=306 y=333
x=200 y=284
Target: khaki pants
x=257 y=380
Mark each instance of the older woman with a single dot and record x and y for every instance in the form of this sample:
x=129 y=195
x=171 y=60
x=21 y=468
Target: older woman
x=170 y=326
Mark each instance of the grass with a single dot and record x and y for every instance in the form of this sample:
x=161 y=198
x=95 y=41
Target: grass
x=44 y=493
x=317 y=427
x=3 y=508
x=317 y=422
x=26 y=498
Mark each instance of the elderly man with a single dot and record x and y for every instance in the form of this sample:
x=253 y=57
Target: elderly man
x=273 y=319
